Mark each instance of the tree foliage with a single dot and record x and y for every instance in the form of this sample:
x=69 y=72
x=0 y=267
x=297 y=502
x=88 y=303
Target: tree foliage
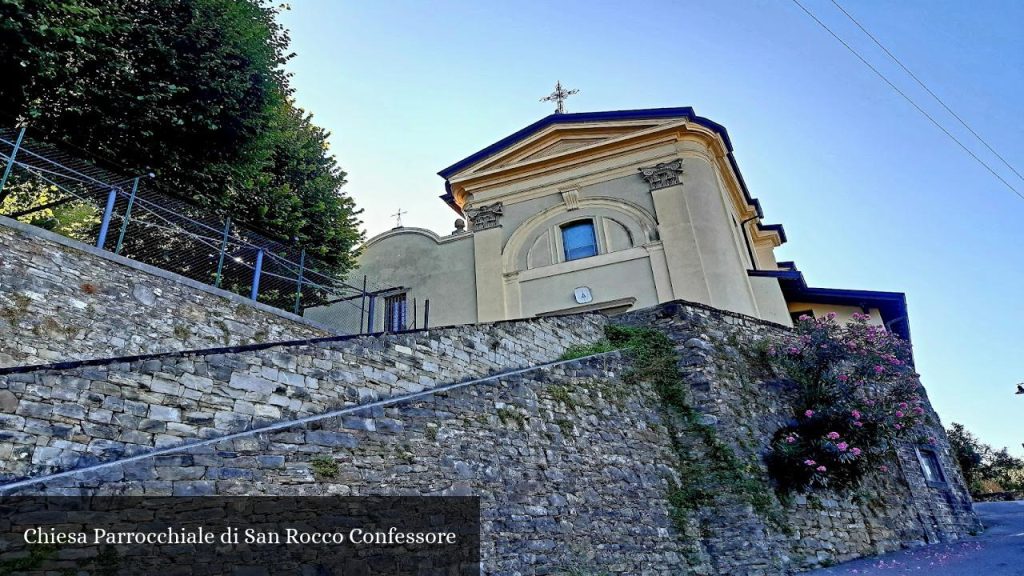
x=985 y=469
x=192 y=90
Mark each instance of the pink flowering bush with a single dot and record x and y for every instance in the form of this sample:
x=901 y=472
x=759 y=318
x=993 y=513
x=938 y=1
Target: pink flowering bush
x=857 y=392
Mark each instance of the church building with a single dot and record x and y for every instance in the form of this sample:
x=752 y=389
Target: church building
x=600 y=211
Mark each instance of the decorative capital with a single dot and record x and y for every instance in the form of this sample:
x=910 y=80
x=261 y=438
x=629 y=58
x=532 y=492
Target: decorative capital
x=485 y=217
x=662 y=175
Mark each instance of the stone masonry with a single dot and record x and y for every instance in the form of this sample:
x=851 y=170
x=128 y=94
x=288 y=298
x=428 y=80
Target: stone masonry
x=58 y=418
x=571 y=465
x=63 y=300
x=574 y=466
x=737 y=394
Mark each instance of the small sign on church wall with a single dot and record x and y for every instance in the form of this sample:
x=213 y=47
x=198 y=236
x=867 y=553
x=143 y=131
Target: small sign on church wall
x=583 y=295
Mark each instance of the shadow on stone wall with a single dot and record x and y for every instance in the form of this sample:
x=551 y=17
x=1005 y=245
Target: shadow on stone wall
x=575 y=467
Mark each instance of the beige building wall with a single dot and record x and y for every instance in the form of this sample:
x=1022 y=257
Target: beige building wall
x=844 y=314
x=674 y=231
x=425 y=266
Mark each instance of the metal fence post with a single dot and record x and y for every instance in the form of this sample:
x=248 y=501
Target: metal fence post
x=105 y=225
x=362 y=306
x=370 y=316
x=127 y=216
x=298 y=287
x=426 y=314
x=223 y=248
x=10 y=163
x=256 y=275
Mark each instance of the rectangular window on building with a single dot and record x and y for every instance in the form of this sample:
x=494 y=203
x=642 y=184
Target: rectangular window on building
x=931 y=467
x=579 y=240
x=395 y=313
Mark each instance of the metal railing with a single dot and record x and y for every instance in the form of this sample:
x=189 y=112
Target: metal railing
x=43 y=185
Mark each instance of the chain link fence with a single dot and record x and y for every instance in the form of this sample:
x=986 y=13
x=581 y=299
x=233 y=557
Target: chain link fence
x=43 y=185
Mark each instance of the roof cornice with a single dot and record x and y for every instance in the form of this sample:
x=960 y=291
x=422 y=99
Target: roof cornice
x=684 y=112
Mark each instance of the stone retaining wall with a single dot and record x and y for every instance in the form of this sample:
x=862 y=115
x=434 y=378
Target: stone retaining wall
x=738 y=395
x=576 y=468
x=571 y=464
x=63 y=300
x=56 y=419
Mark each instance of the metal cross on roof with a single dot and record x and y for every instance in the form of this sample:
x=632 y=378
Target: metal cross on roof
x=559 y=96
x=398 y=217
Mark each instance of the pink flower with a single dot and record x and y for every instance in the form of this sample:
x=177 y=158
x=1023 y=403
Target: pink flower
x=899 y=414
x=790 y=439
x=830 y=316
x=833 y=436
x=855 y=414
x=883 y=468
x=821 y=468
x=793 y=350
x=809 y=413
x=855 y=451
x=842 y=446
x=843 y=377
x=810 y=462
x=898 y=427
x=931 y=440
x=904 y=405
x=858 y=423
x=879 y=369
x=918 y=410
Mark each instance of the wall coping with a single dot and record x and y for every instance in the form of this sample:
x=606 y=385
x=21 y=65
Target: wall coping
x=706 y=308
x=30 y=230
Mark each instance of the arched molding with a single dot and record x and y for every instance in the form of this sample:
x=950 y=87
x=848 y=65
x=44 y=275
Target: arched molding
x=638 y=222
x=430 y=234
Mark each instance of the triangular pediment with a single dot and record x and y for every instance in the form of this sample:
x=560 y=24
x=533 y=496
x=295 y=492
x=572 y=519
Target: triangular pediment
x=558 y=140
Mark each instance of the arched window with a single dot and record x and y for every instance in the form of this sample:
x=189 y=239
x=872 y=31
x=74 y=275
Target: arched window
x=579 y=240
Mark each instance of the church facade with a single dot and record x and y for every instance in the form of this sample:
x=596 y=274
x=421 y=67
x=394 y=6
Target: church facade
x=604 y=211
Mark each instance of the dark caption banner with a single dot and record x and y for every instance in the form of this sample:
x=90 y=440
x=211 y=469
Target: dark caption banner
x=250 y=536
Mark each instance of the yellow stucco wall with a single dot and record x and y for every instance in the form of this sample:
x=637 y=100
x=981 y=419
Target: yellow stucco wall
x=430 y=267
x=843 y=313
x=682 y=241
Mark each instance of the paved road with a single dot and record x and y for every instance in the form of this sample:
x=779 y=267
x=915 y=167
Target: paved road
x=998 y=551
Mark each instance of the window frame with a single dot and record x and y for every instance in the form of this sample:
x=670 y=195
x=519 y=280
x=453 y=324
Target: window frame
x=926 y=454
x=588 y=222
x=396 y=312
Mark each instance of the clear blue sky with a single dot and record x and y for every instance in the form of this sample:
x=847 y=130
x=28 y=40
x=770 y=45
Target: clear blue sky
x=872 y=196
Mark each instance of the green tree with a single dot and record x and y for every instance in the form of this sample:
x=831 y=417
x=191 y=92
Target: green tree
x=985 y=469
x=194 y=91
x=969 y=453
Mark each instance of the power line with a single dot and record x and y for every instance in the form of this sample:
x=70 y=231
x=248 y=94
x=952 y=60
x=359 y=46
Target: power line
x=926 y=89
x=908 y=99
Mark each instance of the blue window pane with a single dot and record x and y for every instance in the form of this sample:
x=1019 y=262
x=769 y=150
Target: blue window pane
x=579 y=240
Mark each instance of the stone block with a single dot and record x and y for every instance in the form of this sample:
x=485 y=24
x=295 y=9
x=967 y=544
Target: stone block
x=254 y=384
x=194 y=488
x=164 y=413
x=326 y=438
